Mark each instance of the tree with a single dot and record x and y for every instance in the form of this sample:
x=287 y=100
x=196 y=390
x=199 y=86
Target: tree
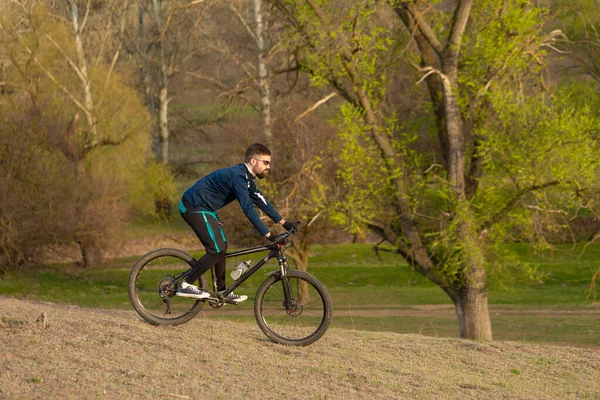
x=444 y=201
x=83 y=177
x=262 y=78
x=163 y=46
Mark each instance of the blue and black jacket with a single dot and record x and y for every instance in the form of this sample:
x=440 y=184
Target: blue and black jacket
x=223 y=186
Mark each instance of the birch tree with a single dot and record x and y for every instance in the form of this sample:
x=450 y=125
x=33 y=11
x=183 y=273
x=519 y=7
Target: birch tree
x=164 y=30
x=80 y=68
x=262 y=78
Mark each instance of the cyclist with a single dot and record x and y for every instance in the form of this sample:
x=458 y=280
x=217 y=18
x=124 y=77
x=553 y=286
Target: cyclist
x=199 y=207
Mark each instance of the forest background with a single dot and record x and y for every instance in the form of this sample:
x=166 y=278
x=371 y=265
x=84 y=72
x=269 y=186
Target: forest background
x=444 y=130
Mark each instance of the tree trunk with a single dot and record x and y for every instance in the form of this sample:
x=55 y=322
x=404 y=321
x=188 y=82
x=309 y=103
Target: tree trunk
x=263 y=74
x=162 y=207
x=300 y=253
x=163 y=120
x=163 y=91
x=82 y=72
x=302 y=264
x=471 y=306
x=147 y=75
x=91 y=255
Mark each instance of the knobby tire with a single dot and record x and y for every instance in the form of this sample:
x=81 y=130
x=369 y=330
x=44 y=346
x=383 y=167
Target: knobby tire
x=304 y=324
x=144 y=281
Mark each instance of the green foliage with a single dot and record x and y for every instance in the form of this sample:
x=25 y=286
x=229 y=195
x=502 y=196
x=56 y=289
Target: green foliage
x=349 y=47
x=544 y=140
x=538 y=150
x=499 y=49
x=538 y=172
x=361 y=171
x=350 y=36
x=151 y=182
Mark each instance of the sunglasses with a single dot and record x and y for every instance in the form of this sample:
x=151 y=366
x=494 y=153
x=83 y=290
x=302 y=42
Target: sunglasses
x=267 y=163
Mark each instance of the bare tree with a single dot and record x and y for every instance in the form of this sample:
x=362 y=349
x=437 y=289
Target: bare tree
x=263 y=73
x=262 y=77
x=164 y=29
x=81 y=68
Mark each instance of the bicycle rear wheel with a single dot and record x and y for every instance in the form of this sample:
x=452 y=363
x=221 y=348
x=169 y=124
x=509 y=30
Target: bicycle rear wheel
x=153 y=284
x=308 y=315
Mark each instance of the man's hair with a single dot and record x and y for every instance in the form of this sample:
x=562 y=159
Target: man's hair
x=256 y=149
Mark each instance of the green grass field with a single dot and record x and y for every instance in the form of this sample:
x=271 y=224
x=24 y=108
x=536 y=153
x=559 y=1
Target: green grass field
x=377 y=294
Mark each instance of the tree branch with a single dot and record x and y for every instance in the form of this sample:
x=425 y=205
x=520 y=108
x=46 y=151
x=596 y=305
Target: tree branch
x=475 y=171
x=410 y=254
x=461 y=16
x=85 y=17
x=315 y=106
x=55 y=81
x=71 y=63
x=317 y=10
x=420 y=23
x=105 y=36
x=509 y=206
x=233 y=8
x=172 y=10
x=431 y=70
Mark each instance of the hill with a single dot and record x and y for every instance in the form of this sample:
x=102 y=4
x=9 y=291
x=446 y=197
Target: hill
x=89 y=353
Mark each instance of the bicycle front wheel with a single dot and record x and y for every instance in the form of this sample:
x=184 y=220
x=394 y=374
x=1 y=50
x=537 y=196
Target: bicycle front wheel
x=153 y=286
x=305 y=317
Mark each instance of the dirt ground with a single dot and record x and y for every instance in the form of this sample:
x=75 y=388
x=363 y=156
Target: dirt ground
x=50 y=351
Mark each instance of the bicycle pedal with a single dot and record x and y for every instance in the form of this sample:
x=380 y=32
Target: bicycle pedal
x=219 y=300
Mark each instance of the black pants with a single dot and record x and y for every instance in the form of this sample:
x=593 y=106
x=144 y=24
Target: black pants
x=207 y=228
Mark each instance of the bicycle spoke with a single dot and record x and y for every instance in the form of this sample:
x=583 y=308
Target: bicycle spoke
x=154 y=289
x=302 y=317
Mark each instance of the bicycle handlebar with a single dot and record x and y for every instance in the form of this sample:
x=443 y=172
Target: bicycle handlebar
x=284 y=237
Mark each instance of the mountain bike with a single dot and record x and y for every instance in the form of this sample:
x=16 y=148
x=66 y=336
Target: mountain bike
x=291 y=307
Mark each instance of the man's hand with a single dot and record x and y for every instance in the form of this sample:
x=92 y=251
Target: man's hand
x=275 y=238
x=291 y=225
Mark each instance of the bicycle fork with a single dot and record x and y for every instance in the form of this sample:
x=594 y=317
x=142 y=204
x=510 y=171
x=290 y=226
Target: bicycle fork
x=288 y=302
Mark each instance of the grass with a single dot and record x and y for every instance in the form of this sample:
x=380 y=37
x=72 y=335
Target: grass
x=358 y=280
x=581 y=332
x=95 y=353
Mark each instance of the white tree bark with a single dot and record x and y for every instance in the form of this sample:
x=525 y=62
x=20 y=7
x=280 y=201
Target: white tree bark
x=82 y=72
x=263 y=73
x=147 y=74
x=163 y=91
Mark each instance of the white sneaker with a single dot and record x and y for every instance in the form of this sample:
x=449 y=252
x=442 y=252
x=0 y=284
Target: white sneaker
x=233 y=298
x=187 y=290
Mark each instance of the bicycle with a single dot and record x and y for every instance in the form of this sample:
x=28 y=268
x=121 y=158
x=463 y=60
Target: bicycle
x=291 y=307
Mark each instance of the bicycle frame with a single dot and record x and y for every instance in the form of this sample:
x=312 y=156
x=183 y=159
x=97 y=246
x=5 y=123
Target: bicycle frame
x=275 y=250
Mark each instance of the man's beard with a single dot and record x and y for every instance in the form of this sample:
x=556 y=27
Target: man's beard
x=262 y=175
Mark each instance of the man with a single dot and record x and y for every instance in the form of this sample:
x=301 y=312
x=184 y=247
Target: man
x=200 y=203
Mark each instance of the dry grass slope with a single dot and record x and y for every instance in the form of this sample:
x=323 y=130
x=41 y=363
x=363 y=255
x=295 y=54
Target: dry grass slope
x=81 y=353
